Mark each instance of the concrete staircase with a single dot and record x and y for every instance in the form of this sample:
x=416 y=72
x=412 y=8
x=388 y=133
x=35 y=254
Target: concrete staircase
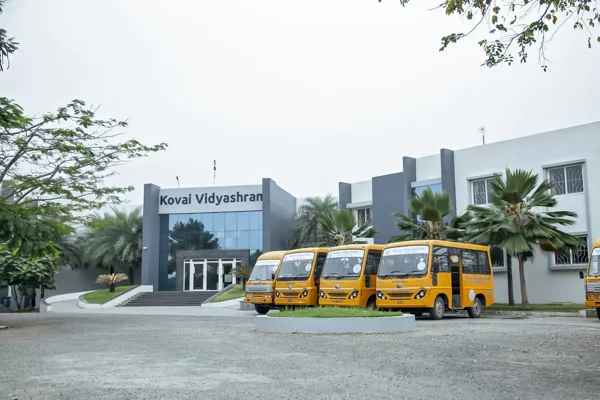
x=175 y=299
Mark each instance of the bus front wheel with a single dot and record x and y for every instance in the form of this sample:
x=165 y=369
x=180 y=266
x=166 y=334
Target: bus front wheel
x=475 y=311
x=437 y=311
x=372 y=302
x=262 y=310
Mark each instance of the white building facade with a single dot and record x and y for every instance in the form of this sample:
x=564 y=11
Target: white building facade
x=568 y=157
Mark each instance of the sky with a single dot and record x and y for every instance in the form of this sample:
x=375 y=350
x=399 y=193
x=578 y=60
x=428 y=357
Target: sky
x=306 y=92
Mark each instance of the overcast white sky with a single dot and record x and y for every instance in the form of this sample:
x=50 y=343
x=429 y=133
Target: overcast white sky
x=306 y=92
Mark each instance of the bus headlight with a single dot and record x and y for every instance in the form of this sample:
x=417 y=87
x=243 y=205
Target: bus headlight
x=421 y=294
x=322 y=295
x=353 y=295
x=591 y=297
x=304 y=294
x=277 y=293
x=381 y=295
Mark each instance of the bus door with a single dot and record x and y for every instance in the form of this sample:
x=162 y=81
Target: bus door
x=455 y=271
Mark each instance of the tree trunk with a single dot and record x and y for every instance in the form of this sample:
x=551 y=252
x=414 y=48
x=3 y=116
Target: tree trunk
x=524 y=299
x=131 y=275
x=509 y=279
x=111 y=287
x=111 y=270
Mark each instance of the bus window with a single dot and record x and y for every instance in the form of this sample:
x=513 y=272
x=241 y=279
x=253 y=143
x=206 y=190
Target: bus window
x=440 y=255
x=483 y=264
x=469 y=262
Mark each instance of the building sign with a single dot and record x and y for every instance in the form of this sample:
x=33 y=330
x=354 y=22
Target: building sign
x=211 y=199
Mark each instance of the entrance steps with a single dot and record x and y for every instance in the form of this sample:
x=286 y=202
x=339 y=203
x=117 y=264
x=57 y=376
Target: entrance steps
x=175 y=299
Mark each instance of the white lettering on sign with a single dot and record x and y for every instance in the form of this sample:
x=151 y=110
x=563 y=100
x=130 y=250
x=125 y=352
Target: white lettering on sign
x=596 y=251
x=298 y=256
x=217 y=199
x=267 y=263
x=394 y=251
x=345 y=253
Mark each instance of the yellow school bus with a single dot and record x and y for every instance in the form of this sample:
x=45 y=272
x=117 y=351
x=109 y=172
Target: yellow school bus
x=297 y=281
x=349 y=276
x=591 y=279
x=261 y=283
x=433 y=276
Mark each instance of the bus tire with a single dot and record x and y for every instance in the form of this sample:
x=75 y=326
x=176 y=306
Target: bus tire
x=417 y=313
x=598 y=312
x=437 y=311
x=475 y=311
x=372 y=302
x=262 y=310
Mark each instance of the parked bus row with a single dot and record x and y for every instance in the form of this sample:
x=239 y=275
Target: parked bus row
x=427 y=276
x=591 y=279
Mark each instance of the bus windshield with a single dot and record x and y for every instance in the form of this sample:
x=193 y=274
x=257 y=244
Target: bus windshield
x=263 y=269
x=343 y=264
x=404 y=261
x=296 y=266
x=594 y=267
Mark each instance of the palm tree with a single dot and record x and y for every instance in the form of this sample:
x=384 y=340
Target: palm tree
x=433 y=210
x=516 y=221
x=306 y=232
x=115 y=240
x=337 y=228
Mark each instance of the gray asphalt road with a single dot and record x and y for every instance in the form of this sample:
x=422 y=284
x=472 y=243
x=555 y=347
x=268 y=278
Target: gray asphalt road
x=162 y=357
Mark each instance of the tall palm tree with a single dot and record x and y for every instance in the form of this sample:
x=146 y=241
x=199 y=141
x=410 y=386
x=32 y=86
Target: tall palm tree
x=115 y=240
x=306 y=232
x=433 y=210
x=517 y=222
x=337 y=228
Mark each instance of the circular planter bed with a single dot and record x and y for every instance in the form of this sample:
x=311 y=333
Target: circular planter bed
x=395 y=324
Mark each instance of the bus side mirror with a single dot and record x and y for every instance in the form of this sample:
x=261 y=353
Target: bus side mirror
x=367 y=280
x=272 y=277
x=581 y=274
x=435 y=267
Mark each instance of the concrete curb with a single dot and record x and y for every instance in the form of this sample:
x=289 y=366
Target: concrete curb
x=246 y=306
x=534 y=314
x=46 y=305
x=403 y=323
x=231 y=303
x=117 y=300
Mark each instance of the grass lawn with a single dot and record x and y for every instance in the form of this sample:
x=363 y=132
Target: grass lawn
x=102 y=296
x=234 y=293
x=334 y=312
x=538 y=307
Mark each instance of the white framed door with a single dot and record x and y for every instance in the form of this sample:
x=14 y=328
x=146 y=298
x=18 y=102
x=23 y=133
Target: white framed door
x=208 y=274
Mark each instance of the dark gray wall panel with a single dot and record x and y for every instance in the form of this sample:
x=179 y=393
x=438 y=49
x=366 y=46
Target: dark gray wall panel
x=278 y=216
x=151 y=236
x=448 y=178
x=409 y=170
x=389 y=196
x=344 y=195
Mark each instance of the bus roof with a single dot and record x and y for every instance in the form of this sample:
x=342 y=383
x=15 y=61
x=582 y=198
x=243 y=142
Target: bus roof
x=307 y=249
x=460 y=245
x=272 y=255
x=358 y=246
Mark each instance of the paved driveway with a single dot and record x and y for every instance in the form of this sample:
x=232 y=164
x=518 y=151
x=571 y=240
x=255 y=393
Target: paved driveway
x=105 y=356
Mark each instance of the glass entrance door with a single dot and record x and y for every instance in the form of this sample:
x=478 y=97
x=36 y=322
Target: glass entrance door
x=206 y=274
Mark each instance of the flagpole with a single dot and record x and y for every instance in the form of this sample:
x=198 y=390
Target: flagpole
x=214 y=171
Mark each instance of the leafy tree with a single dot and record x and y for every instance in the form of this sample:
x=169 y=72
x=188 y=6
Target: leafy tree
x=60 y=160
x=433 y=209
x=25 y=272
x=243 y=272
x=306 y=231
x=517 y=25
x=337 y=228
x=8 y=45
x=113 y=240
x=517 y=222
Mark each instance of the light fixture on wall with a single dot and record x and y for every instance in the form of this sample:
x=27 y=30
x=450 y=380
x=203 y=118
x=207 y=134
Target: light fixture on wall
x=481 y=130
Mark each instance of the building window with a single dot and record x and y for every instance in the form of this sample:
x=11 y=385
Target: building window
x=435 y=188
x=363 y=216
x=567 y=180
x=498 y=256
x=482 y=191
x=573 y=256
